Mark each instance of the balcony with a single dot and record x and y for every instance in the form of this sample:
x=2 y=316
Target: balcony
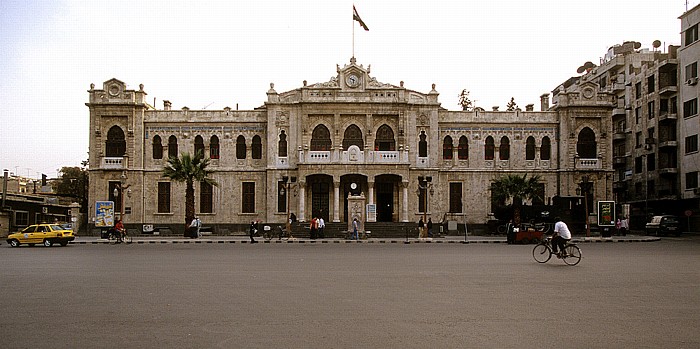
x=668 y=144
x=617 y=87
x=353 y=156
x=588 y=164
x=318 y=157
x=668 y=171
x=668 y=116
x=619 y=135
x=619 y=111
x=114 y=163
x=668 y=90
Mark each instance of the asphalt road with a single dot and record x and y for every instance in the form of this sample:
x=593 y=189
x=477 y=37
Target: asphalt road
x=621 y=295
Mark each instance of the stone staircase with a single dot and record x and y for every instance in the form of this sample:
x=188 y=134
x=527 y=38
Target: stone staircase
x=378 y=229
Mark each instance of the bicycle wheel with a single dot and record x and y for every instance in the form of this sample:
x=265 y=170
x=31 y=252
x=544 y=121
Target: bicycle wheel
x=573 y=255
x=126 y=239
x=541 y=253
x=267 y=235
x=501 y=229
x=112 y=238
x=285 y=236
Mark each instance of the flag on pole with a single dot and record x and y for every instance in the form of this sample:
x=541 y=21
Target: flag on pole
x=356 y=17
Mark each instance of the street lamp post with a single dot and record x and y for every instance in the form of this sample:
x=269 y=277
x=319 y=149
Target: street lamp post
x=285 y=190
x=586 y=186
x=425 y=183
x=119 y=193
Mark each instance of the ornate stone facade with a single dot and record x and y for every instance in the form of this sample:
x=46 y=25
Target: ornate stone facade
x=351 y=134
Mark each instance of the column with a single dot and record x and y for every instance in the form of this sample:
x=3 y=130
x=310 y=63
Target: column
x=370 y=186
x=302 y=194
x=336 y=201
x=404 y=205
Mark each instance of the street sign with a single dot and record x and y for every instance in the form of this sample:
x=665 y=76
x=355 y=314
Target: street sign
x=606 y=213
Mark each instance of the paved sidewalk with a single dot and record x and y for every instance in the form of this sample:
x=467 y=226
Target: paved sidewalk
x=242 y=239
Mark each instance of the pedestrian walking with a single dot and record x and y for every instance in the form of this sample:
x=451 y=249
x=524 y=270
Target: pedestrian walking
x=430 y=227
x=355 y=226
x=321 y=225
x=252 y=230
x=618 y=226
x=312 y=227
x=510 y=232
x=624 y=226
x=421 y=225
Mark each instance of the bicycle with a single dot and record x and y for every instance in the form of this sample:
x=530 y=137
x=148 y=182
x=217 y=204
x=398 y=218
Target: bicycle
x=118 y=237
x=281 y=234
x=542 y=252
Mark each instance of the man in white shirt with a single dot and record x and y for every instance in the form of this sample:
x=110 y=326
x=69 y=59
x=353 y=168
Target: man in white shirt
x=560 y=237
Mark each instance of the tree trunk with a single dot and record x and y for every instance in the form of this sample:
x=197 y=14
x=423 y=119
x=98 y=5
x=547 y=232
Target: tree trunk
x=189 y=202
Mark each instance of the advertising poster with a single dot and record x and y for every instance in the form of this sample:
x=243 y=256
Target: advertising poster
x=104 y=213
x=606 y=213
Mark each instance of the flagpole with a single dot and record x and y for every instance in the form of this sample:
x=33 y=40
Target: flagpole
x=352 y=22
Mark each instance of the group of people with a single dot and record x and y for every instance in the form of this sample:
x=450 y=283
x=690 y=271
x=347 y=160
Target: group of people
x=194 y=228
x=316 y=228
x=425 y=229
x=622 y=225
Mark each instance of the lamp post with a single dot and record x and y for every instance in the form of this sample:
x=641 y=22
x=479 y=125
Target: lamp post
x=425 y=183
x=586 y=186
x=119 y=193
x=286 y=185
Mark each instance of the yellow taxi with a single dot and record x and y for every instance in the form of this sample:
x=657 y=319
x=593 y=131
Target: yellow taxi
x=47 y=234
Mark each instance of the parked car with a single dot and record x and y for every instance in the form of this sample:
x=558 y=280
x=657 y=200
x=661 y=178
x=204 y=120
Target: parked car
x=663 y=225
x=47 y=234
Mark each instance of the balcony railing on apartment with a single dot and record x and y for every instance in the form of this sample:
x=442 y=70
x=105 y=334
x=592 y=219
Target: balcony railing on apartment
x=114 y=163
x=588 y=164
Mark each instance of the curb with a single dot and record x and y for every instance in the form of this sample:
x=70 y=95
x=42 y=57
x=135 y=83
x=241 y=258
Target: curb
x=370 y=241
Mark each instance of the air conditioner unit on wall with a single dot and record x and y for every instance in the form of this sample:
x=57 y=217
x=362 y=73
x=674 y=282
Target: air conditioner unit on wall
x=691 y=81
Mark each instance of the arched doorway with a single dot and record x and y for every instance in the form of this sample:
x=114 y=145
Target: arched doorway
x=320 y=186
x=347 y=188
x=386 y=187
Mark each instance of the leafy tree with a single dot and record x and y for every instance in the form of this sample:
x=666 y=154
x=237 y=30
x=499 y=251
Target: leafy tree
x=189 y=169
x=464 y=100
x=73 y=182
x=511 y=105
x=518 y=188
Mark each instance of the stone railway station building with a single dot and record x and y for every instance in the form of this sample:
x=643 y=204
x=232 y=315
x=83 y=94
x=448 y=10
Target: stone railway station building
x=397 y=150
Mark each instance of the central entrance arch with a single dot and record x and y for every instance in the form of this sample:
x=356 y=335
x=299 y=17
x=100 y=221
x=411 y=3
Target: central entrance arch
x=320 y=186
x=386 y=187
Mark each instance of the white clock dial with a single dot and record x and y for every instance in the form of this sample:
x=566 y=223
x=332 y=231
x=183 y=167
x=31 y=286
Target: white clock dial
x=353 y=80
x=353 y=186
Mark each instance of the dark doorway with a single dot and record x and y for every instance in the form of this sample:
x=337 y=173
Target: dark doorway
x=385 y=201
x=320 y=196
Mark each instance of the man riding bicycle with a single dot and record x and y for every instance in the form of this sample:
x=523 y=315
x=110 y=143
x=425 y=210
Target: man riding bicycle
x=119 y=230
x=560 y=237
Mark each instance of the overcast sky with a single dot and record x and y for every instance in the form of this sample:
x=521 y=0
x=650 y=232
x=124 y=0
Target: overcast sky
x=212 y=54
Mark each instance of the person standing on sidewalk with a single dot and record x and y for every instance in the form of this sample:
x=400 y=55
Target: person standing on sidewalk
x=430 y=227
x=421 y=226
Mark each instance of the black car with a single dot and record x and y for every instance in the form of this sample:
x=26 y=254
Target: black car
x=663 y=225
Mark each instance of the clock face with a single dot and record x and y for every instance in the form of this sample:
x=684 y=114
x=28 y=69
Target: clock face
x=352 y=80
x=353 y=186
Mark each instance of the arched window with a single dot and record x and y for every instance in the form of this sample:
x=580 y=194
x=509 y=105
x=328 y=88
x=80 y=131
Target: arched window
x=321 y=139
x=504 y=149
x=447 y=148
x=353 y=136
x=586 y=145
x=489 y=148
x=256 y=148
x=545 y=149
x=157 y=147
x=214 y=147
x=172 y=147
x=240 y=147
x=385 y=139
x=199 y=145
x=116 y=143
x=282 y=145
x=530 y=148
x=463 y=149
x=422 y=145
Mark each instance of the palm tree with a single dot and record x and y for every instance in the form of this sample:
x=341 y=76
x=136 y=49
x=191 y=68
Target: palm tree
x=189 y=169
x=518 y=188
